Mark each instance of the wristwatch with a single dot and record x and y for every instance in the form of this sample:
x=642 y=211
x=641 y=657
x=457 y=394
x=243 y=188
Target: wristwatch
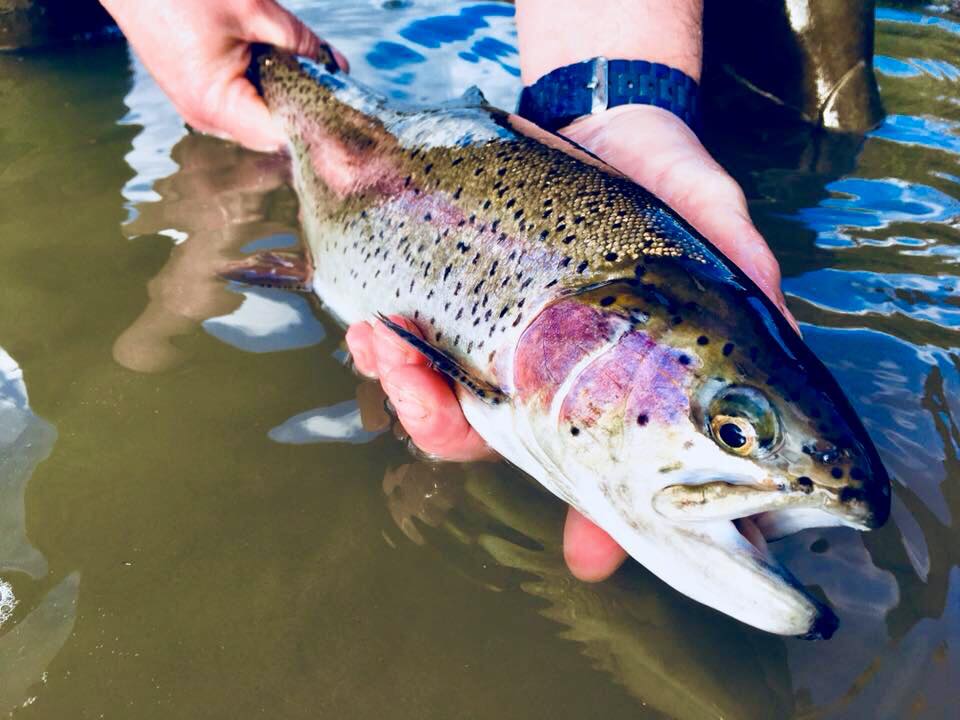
x=567 y=93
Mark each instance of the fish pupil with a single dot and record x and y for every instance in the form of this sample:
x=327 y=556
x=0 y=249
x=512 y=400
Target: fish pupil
x=732 y=435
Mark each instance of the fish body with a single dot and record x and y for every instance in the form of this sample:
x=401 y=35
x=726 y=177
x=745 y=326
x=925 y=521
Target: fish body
x=596 y=340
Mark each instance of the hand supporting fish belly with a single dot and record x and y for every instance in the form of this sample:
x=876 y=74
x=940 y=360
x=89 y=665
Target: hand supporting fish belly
x=596 y=340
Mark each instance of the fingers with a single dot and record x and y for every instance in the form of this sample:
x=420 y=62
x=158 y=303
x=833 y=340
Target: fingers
x=243 y=117
x=360 y=344
x=591 y=554
x=658 y=151
x=425 y=404
x=279 y=27
x=431 y=414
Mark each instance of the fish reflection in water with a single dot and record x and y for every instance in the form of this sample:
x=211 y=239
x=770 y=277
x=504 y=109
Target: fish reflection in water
x=39 y=633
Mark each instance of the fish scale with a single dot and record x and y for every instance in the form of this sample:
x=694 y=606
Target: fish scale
x=594 y=338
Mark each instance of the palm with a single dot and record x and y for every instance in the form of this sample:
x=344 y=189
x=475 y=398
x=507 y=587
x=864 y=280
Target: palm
x=659 y=152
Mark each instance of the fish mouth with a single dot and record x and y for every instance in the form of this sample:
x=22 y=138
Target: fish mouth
x=763 y=513
x=824 y=621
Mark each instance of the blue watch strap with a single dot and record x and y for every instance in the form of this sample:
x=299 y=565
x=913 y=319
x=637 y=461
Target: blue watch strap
x=569 y=92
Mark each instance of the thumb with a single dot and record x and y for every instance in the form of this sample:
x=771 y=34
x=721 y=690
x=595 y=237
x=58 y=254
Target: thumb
x=277 y=26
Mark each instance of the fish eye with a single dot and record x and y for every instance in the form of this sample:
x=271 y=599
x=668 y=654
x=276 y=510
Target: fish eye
x=743 y=422
x=735 y=434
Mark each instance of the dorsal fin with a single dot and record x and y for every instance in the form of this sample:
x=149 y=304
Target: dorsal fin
x=443 y=363
x=472 y=97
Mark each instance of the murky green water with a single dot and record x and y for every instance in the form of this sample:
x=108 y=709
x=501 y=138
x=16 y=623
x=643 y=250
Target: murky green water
x=219 y=532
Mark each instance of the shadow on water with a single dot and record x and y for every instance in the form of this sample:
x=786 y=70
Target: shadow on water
x=252 y=537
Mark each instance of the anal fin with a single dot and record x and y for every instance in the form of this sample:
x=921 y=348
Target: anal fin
x=443 y=363
x=272 y=268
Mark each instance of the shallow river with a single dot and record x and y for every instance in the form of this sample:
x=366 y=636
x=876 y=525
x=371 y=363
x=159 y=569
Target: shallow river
x=205 y=514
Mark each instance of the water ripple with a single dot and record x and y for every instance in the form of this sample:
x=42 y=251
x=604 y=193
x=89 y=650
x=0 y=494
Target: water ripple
x=870 y=204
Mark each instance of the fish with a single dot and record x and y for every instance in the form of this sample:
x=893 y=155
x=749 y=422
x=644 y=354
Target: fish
x=594 y=338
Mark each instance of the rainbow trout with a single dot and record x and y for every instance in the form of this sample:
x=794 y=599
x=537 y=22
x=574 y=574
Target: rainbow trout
x=595 y=340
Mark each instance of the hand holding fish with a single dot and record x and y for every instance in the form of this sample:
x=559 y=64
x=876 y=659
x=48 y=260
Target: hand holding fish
x=654 y=148
x=198 y=53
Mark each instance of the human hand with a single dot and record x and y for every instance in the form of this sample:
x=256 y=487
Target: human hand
x=655 y=148
x=199 y=52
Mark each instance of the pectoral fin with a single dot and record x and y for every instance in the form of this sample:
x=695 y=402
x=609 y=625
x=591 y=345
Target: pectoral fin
x=273 y=268
x=443 y=363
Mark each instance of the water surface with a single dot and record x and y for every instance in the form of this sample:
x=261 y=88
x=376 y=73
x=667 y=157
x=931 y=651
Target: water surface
x=227 y=525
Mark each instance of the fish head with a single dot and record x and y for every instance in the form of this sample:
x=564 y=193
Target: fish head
x=681 y=412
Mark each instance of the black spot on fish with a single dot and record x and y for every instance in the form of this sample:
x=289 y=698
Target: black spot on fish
x=607 y=301
x=478 y=172
x=493 y=268
x=574 y=431
x=457 y=193
x=446 y=271
x=577 y=219
x=582 y=266
x=610 y=256
x=684 y=359
x=805 y=483
x=565 y=261
x=502 y=171
x=427 y=168
x=486 y=204
x=703 y=340
x=642 y=419
x=511 y=202
x=819 y=546
x=545 y=214
x=551 y=283
x=836 y=472
x=543 y=234
x=849 y=494
x=727 y=349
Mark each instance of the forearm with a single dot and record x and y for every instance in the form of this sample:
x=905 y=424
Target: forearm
x=553 y=33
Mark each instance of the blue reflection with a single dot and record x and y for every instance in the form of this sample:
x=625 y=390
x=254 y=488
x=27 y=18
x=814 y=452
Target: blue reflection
x=913 y=67
x=872 y=204
x=915 y=130
x=895 y=67
x=920 y=297
x=433 y=31
x=390 y=55
x=904 y=16
x=494 y=49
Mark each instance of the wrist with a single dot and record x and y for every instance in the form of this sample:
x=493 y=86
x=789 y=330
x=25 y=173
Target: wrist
x=665 y=33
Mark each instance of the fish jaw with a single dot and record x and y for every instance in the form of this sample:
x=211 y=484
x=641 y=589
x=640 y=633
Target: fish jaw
x=712 y=562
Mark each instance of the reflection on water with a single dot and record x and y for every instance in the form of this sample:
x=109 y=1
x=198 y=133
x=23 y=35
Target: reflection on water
x=39 y=632
x=254 y=540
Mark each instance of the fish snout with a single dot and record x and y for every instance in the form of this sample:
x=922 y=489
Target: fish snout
x=856 y=484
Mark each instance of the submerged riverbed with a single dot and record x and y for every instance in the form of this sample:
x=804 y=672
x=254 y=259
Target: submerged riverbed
x=205 y=514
